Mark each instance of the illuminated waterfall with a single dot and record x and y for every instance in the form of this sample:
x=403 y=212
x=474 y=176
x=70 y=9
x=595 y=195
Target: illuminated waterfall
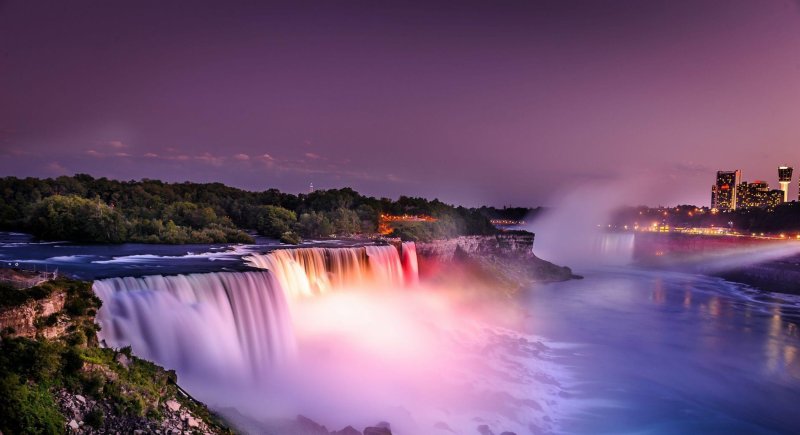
x=204 y=321
x=309 y=271
x=213 y=324
x=410 y=265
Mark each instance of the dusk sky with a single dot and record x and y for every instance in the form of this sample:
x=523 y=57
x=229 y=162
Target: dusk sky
x=471 y=102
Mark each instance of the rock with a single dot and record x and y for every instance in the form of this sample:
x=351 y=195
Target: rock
x=123 y=360
x=310 y=426
x=373 y=430
x=349 y=430
x=192 y=422
x=173 y=405
x=74 y=425
x=80 y=398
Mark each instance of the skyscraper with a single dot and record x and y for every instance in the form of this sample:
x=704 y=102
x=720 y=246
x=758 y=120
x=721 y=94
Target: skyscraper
x=750 y=195
x=784 y=178
x=725 y=197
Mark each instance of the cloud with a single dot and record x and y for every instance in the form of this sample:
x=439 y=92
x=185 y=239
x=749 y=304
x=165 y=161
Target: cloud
x=313 y=156
x=241 y=156
x=210 y=159
x=56 y=168
x=266 y=159
x=151 y=155
x=121 y=154
x=116 y=144
x=18 y=152
x=94 y=153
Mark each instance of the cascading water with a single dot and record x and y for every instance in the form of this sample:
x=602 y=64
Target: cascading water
x=209 y=324
x=237 y=322
x=309 y=271
x=614 y=248
x=410 y=265
x=426 y=361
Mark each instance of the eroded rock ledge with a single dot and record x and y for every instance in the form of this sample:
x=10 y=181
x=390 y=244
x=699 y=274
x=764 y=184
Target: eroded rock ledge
x=506 y=257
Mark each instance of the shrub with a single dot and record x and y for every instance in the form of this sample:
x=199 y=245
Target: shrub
x=95 y=418
x=27 y=409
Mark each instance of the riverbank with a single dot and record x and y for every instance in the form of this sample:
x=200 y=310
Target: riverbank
x=55 y=378
x=780 y=276
x=769 y=264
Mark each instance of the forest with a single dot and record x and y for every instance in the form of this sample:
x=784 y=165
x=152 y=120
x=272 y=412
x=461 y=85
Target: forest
x=85 y=209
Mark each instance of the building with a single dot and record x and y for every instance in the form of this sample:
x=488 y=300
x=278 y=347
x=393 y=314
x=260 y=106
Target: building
x=784 y=178
x=751 y=195
x=724 y=195
x=775 y=198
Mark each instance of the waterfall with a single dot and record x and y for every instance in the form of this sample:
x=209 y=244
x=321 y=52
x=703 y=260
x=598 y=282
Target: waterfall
x=614 y=248
x=310 y=271
x=213 y=324
x=410 y=265
x=206 y=324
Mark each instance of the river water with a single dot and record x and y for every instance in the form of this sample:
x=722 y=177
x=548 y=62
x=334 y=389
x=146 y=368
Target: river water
x=666 y=352
x=624 y=350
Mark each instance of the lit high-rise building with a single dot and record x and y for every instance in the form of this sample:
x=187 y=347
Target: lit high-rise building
x=725 y=196
x=784 y=178
x=752 y=195
x=775 y=198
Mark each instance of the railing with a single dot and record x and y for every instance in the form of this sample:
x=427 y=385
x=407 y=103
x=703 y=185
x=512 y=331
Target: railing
x=23 y=283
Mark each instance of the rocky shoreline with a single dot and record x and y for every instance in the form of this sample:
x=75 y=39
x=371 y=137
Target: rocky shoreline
x=780 y=276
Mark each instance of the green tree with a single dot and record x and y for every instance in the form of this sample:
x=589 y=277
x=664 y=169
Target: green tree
x=314 y=224
x=76 y=218
x=273 y=221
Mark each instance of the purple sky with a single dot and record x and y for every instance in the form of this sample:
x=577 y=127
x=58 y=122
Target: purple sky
x=484 y=102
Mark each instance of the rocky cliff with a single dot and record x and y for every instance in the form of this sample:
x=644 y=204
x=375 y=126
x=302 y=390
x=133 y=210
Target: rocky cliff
x=54 y=377
x=518 y=245
x=506 y=258
x=22 y=320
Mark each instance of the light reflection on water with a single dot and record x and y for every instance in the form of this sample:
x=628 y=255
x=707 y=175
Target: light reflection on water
x=665 y=352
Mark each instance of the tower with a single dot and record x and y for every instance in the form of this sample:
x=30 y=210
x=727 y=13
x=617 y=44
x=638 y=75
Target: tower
x=784 y=178
x=726 y=189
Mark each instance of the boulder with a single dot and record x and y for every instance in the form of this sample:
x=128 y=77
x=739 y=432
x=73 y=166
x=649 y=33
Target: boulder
x=310 y=426
x=123 y=360
x=192 y=422
x=173 y=405
x=74 y=425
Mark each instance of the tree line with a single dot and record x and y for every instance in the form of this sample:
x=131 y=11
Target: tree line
x=100 y=210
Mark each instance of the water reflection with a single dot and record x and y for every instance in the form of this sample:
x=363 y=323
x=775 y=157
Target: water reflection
x=673 y=353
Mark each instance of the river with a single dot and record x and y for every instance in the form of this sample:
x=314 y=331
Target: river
x=625 y=350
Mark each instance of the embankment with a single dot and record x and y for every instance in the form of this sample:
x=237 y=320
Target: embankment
x=767 y=264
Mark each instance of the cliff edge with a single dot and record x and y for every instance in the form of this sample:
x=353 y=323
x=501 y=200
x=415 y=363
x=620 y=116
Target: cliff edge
x=506 y=258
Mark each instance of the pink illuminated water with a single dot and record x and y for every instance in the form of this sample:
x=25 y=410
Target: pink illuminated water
x=356 y=341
